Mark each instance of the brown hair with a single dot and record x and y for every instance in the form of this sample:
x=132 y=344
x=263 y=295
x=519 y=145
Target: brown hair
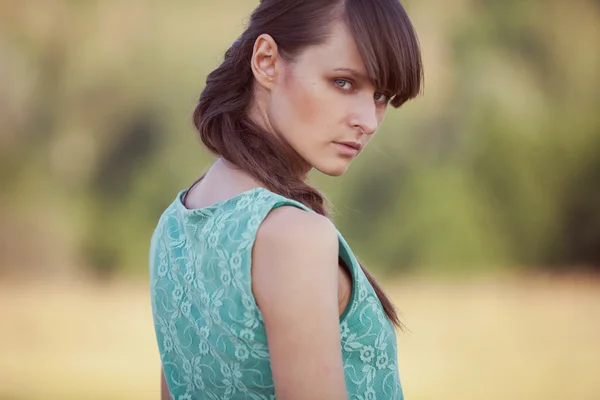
x=388 y=45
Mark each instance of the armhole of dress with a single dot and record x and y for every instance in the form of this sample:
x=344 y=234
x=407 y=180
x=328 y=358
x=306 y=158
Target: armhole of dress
x=346 y=255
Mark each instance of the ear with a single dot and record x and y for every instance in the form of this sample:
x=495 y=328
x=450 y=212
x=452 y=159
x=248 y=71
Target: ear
x=265 y=61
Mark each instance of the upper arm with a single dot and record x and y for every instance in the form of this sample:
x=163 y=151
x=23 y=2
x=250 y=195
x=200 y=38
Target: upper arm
x=164 y=390
x=295 y=283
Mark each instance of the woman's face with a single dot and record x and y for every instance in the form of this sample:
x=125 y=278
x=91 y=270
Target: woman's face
x=322 y=103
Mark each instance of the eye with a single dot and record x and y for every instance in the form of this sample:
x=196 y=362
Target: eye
x=381 y=98
x=343 y=84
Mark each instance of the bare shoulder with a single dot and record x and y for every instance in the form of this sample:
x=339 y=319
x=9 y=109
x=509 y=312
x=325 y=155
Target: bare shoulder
x=295 y=284
x=295 y=228
x=292 y=244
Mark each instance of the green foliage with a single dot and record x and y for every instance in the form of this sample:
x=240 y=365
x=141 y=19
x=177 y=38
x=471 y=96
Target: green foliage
x=497 y=165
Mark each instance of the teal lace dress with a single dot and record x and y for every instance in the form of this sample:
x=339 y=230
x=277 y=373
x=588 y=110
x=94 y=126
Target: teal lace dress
x=210 y=332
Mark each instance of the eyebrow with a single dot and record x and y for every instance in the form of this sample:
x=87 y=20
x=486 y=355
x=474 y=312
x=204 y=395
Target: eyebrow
x=357 y=74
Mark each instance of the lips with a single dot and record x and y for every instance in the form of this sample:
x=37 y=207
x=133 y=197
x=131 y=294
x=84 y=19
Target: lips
x=355 y=145
x=348 y=149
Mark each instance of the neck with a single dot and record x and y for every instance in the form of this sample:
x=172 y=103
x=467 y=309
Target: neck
x=259 y=116
x=230 y=174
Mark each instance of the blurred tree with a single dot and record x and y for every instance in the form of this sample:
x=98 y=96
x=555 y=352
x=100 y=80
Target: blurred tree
x=497 y=165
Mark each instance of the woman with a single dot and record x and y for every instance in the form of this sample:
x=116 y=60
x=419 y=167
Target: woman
x=254 y=291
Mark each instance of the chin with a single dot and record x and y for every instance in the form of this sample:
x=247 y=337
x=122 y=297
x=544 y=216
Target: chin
x=333 y=169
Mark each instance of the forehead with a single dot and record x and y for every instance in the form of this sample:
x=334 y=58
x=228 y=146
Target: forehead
x=338 y=51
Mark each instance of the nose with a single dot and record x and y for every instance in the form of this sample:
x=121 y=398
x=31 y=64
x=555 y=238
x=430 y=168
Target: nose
x=365 y=116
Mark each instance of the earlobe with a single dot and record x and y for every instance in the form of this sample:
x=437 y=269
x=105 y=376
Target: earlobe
x=264 y=60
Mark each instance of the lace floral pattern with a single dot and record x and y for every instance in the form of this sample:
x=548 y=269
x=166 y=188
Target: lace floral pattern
x=209 y=330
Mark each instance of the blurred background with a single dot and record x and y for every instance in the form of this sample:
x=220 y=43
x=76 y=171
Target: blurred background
x=477 y=205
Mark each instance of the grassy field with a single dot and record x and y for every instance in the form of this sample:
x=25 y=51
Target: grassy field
x=487 y=339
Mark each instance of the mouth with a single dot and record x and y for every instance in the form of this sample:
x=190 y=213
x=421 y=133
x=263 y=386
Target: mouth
x=349 y=149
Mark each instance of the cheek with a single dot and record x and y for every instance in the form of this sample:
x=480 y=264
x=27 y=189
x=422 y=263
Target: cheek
x=304 y=101
x=303 y=112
